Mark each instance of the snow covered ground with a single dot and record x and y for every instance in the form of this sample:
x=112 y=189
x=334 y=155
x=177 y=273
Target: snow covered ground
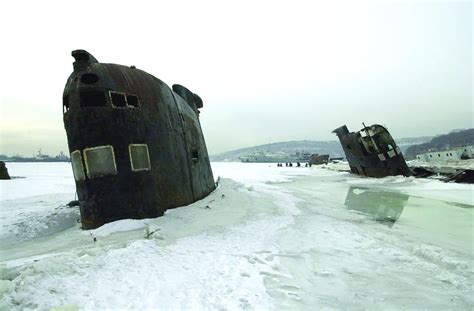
x=272 y=238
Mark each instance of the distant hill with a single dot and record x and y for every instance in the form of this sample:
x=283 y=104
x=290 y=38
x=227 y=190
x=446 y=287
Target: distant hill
x=333 y=148
x=457 y=138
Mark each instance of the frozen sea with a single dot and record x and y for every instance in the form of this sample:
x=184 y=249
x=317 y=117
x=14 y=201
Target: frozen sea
x=269 y=238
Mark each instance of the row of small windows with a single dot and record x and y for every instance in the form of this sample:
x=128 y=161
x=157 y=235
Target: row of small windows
x=100 y=161
x=98 y=99
x=123 y=100
x=448 y=154
x=439 y=155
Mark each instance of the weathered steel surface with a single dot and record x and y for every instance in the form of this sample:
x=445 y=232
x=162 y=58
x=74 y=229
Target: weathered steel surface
x=372 y=152
x=166 y=121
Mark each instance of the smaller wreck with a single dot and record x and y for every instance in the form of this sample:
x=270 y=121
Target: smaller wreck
x=372 y=152
x=3 y=171
x=318 y=159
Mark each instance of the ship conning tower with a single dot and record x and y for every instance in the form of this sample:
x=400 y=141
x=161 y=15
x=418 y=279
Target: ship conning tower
x=136 y=146
x=372 y=151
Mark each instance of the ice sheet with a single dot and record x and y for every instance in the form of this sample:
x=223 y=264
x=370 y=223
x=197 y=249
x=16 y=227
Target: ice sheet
x=273 y=238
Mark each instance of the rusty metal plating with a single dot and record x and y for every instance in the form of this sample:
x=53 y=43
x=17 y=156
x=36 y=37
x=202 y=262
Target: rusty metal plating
x=137 y=147
x=372 y=152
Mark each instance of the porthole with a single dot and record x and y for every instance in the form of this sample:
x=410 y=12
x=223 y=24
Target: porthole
x=89 y=78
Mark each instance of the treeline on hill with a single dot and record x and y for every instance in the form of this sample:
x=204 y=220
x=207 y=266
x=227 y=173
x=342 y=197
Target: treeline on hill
x=442 y=142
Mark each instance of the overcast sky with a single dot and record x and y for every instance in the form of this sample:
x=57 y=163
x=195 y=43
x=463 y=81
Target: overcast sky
x=266 y=71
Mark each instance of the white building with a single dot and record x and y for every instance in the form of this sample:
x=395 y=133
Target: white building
x=446 y=155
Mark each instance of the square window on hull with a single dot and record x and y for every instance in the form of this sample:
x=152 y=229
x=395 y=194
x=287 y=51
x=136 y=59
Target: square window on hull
x=92 y=99
x=132 y=101
x=123 y=100
x=139 y=157
x=100 y=161
x=77 y=167
x=118 y=100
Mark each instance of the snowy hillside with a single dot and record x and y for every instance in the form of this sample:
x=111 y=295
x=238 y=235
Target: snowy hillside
x=269 y=238
x=333 y=148
x=457 y=138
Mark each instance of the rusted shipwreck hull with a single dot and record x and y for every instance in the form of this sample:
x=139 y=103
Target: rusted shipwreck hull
x=372 y=152
x=137 y=147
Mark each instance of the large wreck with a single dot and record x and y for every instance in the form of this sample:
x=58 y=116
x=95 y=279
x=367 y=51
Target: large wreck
x=137 y=147
x=372 y=152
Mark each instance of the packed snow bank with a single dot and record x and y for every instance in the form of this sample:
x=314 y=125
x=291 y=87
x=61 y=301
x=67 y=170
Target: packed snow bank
x=258 y=173
x=207 y=263
x=118 y=226
x=267 y=238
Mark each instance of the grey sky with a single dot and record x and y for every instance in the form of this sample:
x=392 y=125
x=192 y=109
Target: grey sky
x=267 y=71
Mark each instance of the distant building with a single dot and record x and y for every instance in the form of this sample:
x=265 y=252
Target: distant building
x=460 y=153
